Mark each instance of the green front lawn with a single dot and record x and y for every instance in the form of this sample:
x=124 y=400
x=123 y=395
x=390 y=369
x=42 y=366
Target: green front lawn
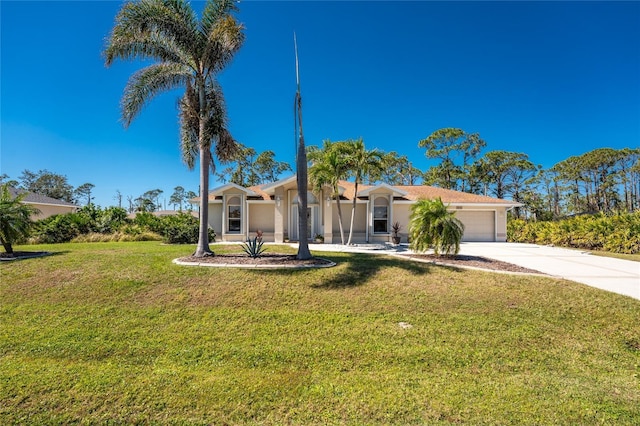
x=115 y=333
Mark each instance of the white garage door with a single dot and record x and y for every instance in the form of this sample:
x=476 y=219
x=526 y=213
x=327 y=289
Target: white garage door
x=478 y=225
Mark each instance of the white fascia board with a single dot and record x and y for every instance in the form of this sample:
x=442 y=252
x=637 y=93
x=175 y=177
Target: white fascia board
x=343 y=202
x=395 y=191
x=219 y=190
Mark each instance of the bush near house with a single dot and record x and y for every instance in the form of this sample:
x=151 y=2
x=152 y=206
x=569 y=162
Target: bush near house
x=619 y=233
x=93 y=224
x=181 y=229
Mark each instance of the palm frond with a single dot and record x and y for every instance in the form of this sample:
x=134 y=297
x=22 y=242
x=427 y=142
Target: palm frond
x=226 y=146
x=216 y=135
x=223 y=41
x=15 y=217
x=188 y=131
x=433 y=226
x=146 y=83
x=154 y=29
x=214 y=10
x=146 y=46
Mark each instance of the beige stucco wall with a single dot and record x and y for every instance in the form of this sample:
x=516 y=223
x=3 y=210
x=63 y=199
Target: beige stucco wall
x=401 y=214
x=261 y=216
x=215 y=219
x=360 y=222
x=47 y=210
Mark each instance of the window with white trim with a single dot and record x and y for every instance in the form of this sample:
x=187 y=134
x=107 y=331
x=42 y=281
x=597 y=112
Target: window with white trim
x=234 y=215
x=381 y=215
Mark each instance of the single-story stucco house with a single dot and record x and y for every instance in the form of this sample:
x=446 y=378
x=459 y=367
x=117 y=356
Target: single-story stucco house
x=236 y=213
x=47 y=206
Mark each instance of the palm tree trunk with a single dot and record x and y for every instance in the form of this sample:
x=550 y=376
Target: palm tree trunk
x=302 y=177
x=353 y=213
x=7 y=246
x=340 y=218
x=203 y=249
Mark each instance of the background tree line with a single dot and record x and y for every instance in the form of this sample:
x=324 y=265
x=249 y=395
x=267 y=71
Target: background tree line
x=56 y=186
x=604 y=180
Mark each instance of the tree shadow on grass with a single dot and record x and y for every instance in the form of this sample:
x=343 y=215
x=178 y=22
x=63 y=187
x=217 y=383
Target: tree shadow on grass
x=25 y=255
x=360 y=268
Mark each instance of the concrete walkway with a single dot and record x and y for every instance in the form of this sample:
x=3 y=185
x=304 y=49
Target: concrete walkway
x=606 y=273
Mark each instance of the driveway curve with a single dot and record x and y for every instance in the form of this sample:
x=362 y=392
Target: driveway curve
x=606 y=273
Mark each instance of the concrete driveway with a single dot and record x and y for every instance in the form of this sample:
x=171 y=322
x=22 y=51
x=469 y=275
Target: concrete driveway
x=615 y=275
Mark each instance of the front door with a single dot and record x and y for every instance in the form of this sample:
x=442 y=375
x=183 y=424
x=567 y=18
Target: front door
x=311 y=226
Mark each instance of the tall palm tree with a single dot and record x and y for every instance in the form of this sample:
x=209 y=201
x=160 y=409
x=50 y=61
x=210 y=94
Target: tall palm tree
x=301 y=168
x=432 y=225
x=362 y=163
x=328 y=166
x=15 y=218
x=189 y=54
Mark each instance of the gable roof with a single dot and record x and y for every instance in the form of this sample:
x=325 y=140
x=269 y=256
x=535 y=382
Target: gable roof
x=400 y=193
x=415 y=192
x=270 y=188
x=219 y=190
x=33 y=198
x=393 y=189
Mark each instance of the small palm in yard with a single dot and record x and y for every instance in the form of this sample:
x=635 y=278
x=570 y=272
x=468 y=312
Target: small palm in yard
x=15 y=218
x=432 y=226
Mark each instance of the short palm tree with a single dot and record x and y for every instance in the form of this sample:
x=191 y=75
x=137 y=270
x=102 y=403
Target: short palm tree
x=432 y=225
x=189 y=54
x=362 y=163
x=15 y=218
x=328 y=166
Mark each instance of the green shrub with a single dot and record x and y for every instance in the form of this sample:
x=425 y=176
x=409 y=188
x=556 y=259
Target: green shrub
x=619 y=233
x=92 y=224
x=111 y=220
x=95 y=237
x=60 y=228
x=146 y=220
x=182 y=228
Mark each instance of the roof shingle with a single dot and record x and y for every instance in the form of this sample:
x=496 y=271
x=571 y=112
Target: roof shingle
x=32 y=197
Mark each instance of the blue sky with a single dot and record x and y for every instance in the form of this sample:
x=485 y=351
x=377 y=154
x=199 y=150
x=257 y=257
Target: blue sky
x=551 y=79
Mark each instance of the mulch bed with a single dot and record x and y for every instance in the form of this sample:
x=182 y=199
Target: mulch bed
x=474 y=262
x=274 y=259
x=288 y=260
